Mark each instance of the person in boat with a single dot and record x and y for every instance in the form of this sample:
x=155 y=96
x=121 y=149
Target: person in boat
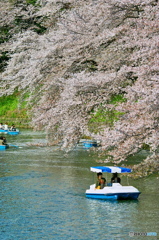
x=101 y=181
x=2 y=141
x=5 y=126
x=115 y=178
x=13 y=128
x=1 y=125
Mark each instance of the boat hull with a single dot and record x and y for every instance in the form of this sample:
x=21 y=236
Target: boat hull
x=12 y=132
x=9 y=132
x=89 y=145
x=102 y=196
x=114 y=192
x=117 y=196
x=3 y=147
x=3 y=131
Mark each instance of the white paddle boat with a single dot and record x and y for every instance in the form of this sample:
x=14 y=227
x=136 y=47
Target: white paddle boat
x=114 y=191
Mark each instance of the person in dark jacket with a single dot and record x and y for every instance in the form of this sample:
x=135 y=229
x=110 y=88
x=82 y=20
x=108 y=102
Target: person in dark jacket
x=3 y=140
x=115 y=178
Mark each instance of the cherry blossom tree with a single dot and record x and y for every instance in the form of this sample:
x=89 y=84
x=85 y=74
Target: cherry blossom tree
x=91 y=51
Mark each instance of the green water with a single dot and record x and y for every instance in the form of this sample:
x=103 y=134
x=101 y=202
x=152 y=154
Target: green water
x=42 y=193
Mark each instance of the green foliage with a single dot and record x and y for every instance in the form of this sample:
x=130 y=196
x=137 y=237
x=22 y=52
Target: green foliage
x=25 y=2
x=145 y=147
x=8 y=103
x=33 y=2
x=106 y=116
x=117 y=98
x=39 y=29
x=3 y=60
x=24 y=101
x=30 y=22
x=102 y=117
x=4 y=34
x=10 y=106
x=86 y=137
x=19 y=21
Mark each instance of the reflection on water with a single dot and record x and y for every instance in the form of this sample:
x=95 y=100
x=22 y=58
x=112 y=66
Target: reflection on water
x=42 y=197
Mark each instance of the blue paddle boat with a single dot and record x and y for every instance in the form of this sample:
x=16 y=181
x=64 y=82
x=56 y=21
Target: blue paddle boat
x=3 y=131
x=114 y=191
x=10 y=132
x=90 y=143
x=13 y=132
x=3 y=147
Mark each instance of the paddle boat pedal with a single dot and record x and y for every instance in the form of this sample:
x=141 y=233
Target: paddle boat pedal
x=115 y=191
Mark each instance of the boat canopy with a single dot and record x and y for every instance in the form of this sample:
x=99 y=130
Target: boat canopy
x=110 y=169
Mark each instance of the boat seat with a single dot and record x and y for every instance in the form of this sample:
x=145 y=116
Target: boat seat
x=109 y=184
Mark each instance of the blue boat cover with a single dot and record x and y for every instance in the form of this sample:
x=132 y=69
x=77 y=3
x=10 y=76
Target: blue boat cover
x=110 y=169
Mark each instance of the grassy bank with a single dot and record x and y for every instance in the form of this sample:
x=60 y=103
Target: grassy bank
x=105 y=116
x=13 y=110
